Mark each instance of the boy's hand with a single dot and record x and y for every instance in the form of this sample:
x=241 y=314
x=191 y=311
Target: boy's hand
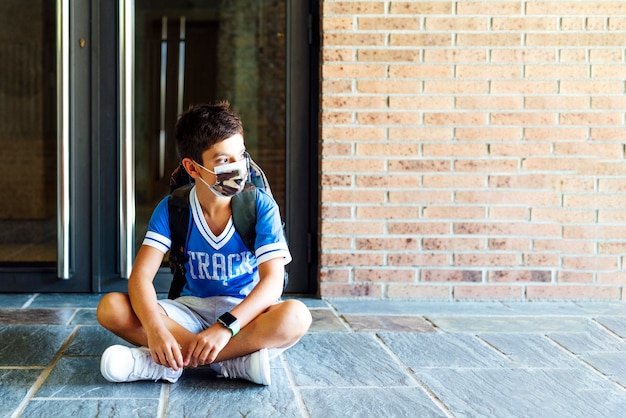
x=207 y=345
x=165 y=349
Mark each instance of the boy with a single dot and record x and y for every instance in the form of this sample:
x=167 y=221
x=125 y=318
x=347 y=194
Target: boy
x=228 y=315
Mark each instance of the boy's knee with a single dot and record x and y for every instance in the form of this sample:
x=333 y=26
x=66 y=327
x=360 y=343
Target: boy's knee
x=297 y=316
x=109 y=307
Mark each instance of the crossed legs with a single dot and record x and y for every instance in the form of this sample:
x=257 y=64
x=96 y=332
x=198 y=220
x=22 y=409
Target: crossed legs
x=280 y=326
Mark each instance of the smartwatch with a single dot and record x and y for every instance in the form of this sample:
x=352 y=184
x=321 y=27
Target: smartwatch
x=229 y=321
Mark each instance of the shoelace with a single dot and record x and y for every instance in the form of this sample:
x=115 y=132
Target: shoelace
x=145 y=367
x=234 y=368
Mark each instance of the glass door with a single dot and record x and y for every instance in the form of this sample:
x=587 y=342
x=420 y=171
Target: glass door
x=202 y=52
x=253 y=53
x=199 y=52
x=37 y=195
x=28 y=133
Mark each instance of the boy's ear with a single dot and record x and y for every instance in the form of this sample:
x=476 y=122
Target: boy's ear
x=190 y=168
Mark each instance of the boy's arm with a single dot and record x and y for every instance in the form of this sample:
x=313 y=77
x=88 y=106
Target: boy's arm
x=210 y=342
x=163 y=346
x=264 y=294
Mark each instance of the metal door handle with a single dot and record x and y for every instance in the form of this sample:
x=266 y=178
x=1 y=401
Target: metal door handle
x=63 y=139
x=126 y=136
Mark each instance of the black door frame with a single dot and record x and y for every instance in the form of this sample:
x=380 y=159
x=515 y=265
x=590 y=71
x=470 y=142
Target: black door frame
x=301 y=210
x=34 y=278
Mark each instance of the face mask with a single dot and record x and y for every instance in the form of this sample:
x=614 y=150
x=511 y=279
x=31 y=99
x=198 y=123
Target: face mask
x=230 y=179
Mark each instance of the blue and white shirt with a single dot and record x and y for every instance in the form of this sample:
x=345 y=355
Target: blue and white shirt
x=222 y=265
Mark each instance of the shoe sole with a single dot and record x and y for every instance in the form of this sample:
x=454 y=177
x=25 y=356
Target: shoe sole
x=109 y=353
x=264 y=360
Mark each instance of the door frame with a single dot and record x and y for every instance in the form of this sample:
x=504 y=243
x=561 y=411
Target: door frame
x=73 y=269
x=301 y=211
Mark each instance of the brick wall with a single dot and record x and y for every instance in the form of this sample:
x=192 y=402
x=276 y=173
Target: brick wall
x=473 y=149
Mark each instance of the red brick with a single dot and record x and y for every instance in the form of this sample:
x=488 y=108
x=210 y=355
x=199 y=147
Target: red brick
x=498 y=292
x=381 y=275
x=420 y=7
x=422 y=197
x=613 y=277
x=474 y=276
x=574 y=277
x=454 y=212
x=421 y=292
x=351 y=259
x=353 y=7
x=525 y=276
x=336 y=243
x=418 y=259
x=331 y=290
x=486 y=259
x=573 y=292
x=388 y=244
x=493 y=8
x=536 y=259
x=453 y=244
x=418 y=228
x=389 y=23
x=335 y=275
x=351 y=228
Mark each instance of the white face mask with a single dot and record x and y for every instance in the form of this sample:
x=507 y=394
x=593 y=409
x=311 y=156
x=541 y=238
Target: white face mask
x=230 y=179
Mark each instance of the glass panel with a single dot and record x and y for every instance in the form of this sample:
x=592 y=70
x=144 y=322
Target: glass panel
x=220 y=50
x=28 y=132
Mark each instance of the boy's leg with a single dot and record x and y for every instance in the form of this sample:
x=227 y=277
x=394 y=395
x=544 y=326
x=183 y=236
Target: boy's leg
x=116 y=314
x=280 y=326
x=124 y=364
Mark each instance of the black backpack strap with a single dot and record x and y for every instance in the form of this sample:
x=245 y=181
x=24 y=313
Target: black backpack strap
x=243 y=206
x=178 y=209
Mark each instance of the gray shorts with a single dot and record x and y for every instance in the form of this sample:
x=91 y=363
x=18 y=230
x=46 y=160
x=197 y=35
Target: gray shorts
x=197 y=314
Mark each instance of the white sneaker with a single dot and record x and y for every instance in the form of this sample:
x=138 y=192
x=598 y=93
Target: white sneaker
x=125 y=364
x=254 y=367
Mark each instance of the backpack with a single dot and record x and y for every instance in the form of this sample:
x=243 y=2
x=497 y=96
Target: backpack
x=243 y=207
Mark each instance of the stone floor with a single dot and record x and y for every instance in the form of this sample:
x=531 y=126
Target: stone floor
x=360 y=359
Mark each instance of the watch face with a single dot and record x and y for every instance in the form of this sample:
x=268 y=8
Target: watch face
x=227 y=319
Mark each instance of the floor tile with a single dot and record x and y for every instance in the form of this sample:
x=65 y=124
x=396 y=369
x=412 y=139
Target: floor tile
x=85 y=317
x=120 y=408
x=399 y=307
x=199 y=393
x=92 y=341
x=603 y=308
x=530 y=350
x=524 y=324
x=593 y=339
x=36 y=316
x=31 y=345
x=311 y=303
x=545 y=308
x=17 y=300
x=62 y=300
x=79 y=377
x=370 y=402
x=14 y=385
x=610 y=364
x=394 y=323
x=616 y=324
x=427 y=350
x=341 y=360
x=325 y=320
x=525 y=392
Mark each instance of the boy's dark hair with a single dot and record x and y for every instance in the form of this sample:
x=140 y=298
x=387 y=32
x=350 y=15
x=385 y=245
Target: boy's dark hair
x=202 y=126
